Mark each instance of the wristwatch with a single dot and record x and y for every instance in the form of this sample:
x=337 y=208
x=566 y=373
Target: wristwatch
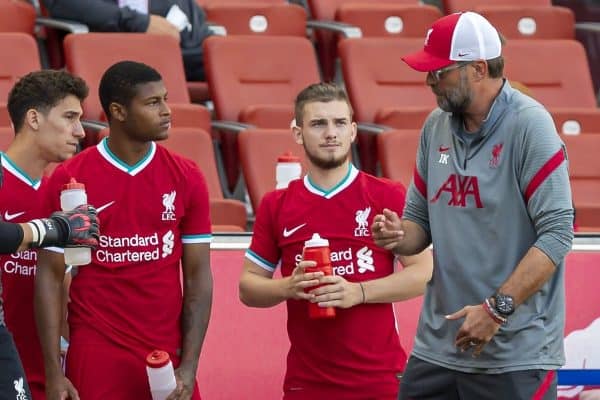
x=504 y=304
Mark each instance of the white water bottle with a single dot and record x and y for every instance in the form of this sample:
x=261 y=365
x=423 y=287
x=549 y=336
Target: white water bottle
x=72 y=196
x=161 y=375
x=288 y=168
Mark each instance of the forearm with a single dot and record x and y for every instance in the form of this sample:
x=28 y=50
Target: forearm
x=534 y=269
x=415 y=239
x=261 y=291
x=402 y=285
x=197 y=304
x=48 y=299
x=100 y=16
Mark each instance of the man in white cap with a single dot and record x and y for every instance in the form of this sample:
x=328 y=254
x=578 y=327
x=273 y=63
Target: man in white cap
x=491 y=193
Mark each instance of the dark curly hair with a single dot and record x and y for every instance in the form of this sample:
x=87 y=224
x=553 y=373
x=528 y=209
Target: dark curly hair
x=42 y=90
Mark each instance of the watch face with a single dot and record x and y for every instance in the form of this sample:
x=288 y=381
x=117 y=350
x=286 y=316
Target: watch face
x=504 y=304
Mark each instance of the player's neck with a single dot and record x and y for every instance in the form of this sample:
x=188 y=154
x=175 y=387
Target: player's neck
x=328 y=178
x=27 y=158
x=128 y=151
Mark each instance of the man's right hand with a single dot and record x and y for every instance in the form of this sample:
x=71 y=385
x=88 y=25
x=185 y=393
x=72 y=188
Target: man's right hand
x=387 y=230
x=79 y=226
x=60 y=388
x=300 y=280
x=160 y=26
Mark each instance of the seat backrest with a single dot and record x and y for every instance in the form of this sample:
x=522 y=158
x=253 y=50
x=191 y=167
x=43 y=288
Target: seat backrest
x=584 y=174
x=528 y=22
x=90 y=55
x=325 y=10
x=583 y=160
x=6 y=137
x=555 y=71
x=376 y=77
x=207 y=3
x=402 y=117
x=250 y=70
x=258 y=19
x=18 y=56
x=4 y=116
x=197 y=145
x=17 y=16
x=576 y=121
x=453 y=6
x=397 y=154
x=259 y=149
x=380 y=20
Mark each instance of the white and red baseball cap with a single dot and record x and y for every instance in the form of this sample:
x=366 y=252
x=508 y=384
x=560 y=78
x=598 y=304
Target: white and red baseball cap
x=456 y=37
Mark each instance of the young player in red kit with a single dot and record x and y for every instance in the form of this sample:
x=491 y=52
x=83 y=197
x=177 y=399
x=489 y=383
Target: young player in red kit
x=45 y=107
x=357 y=354
x=128 y=301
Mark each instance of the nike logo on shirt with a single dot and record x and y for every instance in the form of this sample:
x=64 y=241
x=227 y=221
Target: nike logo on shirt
x=289 y=233
x=8 y=216
x=101 y=208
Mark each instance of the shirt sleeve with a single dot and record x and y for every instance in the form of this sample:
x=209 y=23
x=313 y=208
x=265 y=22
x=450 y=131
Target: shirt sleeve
x=195 y=224
x=544 y=182
x=99 y=15
x=416 y=209
x=264 y=250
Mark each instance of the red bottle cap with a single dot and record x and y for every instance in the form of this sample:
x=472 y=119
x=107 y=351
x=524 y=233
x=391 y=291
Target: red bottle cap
x=288 y=157
x=73 y=184
x=157 y=359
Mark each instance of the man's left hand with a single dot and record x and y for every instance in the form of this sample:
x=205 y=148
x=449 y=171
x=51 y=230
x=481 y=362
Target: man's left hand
x=186 y=381
x=336 y=292
x=476 y=331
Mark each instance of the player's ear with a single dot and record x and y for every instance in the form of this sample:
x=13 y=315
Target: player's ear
x=297 y=131
x=32 y=118
x=118 y=111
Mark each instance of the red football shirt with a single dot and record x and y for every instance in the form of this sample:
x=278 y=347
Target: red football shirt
x=21 y=200
x=131 y=292
x=356 y=355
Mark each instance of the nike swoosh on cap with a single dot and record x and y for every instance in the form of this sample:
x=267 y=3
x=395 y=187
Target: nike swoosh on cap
x=101 y=208
x=289 y=233
x=8 y=216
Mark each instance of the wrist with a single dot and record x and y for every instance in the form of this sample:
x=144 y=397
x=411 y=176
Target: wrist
x=492 y=313
x=362 y=295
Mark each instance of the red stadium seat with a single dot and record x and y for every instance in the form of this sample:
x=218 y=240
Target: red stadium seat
x=376 y=81
x=523 y=22
x=259 y=149
x=397 y=154
x=584 y=172
x=4 y=116
x=325 y=10
x=197 y=145
x=240 y=77
x=470 y=5
x=6 y=137
x=555 y=81
x=18 y=56
x=575 y=121
x=396 y=20
x=258 y=19
x=227 y=215
x=91 y=54
x=17 y=16
x=402 y=118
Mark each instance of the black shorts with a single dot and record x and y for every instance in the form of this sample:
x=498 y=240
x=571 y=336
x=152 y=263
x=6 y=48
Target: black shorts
x=423 y=380
x=13 y=385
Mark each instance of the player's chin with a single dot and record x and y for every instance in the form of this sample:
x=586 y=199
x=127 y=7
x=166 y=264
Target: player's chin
x=161 y=135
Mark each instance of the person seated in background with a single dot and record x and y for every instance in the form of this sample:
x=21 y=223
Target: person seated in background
x=184 y=20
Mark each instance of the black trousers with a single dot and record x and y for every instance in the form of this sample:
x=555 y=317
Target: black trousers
x=426 y=381
x=13 y=385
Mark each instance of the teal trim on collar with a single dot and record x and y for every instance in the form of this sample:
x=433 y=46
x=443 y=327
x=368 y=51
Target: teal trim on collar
x=126 y=166
x=344 y=182
x=18 y=172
